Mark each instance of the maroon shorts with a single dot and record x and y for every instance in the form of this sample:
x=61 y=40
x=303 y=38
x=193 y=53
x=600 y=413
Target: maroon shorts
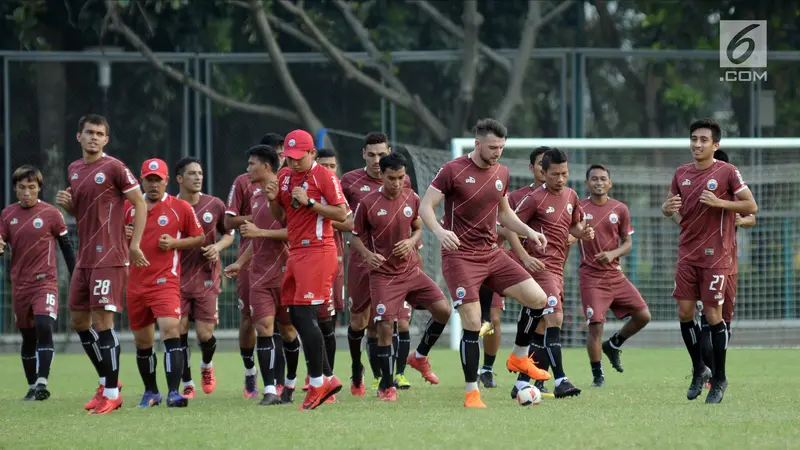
x=553 y=286
x=338 y=289
x=464 y=274
x=358 y=286
x=308 y=278
x=266 y=302
x=243 y=291
x=601 y=291
x=393 y=295
x=326 y=311
x=730 y=298
x=699 y=283
x=145 y=308
x=41 y=302
x=98 y=288
x=201 y=308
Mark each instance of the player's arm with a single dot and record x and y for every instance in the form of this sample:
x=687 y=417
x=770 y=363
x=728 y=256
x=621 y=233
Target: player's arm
x=65 y=243
x=514 y=242
x=748 y=221
x=246 y=256
x=186 y=243
x=509 y=220
x=744 y=204
x=3 y=236
x=224 y=242
x=64 y=200
x=346 y=226
x=136 y=199
x=427 y=210
x=232 y=221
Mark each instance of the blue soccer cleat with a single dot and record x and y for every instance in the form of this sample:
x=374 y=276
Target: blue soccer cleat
x=176 y=400
x=149 y=399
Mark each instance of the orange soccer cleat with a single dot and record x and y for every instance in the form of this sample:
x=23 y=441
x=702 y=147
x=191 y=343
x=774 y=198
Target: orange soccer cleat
x=472 y=399
x=388 y=395
x=527 y=366
x=423 y=365
x=315 y=396
x=98 y=395
x=107 y=406
x=209 y=380
x=188 y=391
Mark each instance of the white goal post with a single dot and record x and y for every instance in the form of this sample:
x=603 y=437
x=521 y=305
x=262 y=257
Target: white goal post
x=516 y=150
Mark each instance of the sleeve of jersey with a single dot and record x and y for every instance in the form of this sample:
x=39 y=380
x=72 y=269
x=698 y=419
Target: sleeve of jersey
x=625 y=225
x=124 y=179
x=675 y=188
x=221 y=223
x=360 y=223
x=443 y=181
x=191 y=225
x=331 y=189
x=3 y=228
x=129 y=212
x=525 y=209
x=577 y=210
x=59 y=226
x=235 y=199
x=736 y=181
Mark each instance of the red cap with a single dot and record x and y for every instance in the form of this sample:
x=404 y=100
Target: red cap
x=297 y=144
x=154 y=166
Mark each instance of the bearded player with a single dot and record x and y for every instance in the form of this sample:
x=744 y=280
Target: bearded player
x=32 y=227
x=474 y=188
x=200 y=274
x=707 y=194
x=99 y=186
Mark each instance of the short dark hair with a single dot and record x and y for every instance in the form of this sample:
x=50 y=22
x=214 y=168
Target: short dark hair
x=376 y=137
x=265 y=154
x=485 y=127
x=271 y=139
x=597 y=166
x=326 y=153
x=180 y=166
x=94 y=119
x=722 y=156
x=394 y=161
x=711 y=124
x=536 y=152
x=27 y=172
x=553 y=156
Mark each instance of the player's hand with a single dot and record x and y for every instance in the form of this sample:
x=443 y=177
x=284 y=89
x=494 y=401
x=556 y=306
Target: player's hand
x=672 y=205
x=210 y=252
x=587 y=232
x=129 y=232
x=2 y=246
x=538 y=238
x=248 y=230
x=232 y=270
x=708 y=198
x=271 y=190
x=301 y=195
x=165 y=242
x=64 y=198
x=604 y=257
x=448 y=239
x=404 y=248
x=738 y=220
x=137 y=257
x=533 y=264
x=375 y=260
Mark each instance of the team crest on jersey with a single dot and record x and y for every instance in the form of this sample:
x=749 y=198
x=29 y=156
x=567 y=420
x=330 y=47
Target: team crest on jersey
x=74 y=176
x=407 y=211
x=380 y=309
x=712 y=184
x=163 y=220
x=588 y=216
x=207 y=217
x=589 y=312
x=38 y=223
x=552 y=301
x=461 y=292
x=499 y=185
x=255 y=205
x=99 y=177
x=613 y=218
x=153 y=165
x=569 y=208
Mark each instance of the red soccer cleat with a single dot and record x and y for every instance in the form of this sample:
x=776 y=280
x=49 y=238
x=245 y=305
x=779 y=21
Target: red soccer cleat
x=209 y=380
x=423 y=365
x=107 y=406
x=188 y=391
x=388 y=395
x=315 y=396
x=306 y=385
x=358 y=391
x=331 y=399
x=279 y=390
x=98 y=395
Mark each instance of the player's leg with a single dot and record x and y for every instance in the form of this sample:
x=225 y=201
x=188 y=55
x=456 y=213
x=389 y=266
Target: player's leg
x=491 y=341
x=45 y=350
x=186 y=376
x=265 y=352
x=107 y=294
x=594 y=348
x=291 y=352
x=705 y=339
x=205 y=314
x=552 y=342
x=81 y=322
x=431 y=297
x=372 y=345
x=403 y=325
x=143 y=327
x=596 y=297
x=386 y=389
x=712 y=294
x=730 y=302
x=247 y=335
x=169 y=331
x=628 y=302
x=327 y=326
x=359 y=319
x=687 y=293
x=28 y=356
x=486 y=295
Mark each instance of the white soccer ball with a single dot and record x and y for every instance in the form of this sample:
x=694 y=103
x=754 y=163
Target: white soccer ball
x=529 y=395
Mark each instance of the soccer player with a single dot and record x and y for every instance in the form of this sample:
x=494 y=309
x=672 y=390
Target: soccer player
x=275 y=141
x=474 y=189
x=493 y=304
x=308 y=197
x=154 y=292
x=707 y=194
x=200 y=273
x=386 y=234
x=603 y=285
x=357 y=184
x=555 y=209
x=267 y=254
x=99 y=186
x=32 y=228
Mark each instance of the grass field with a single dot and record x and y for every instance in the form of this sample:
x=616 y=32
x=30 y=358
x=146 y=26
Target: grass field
x=644 y=407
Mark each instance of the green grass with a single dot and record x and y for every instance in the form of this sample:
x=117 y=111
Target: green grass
x=645 y=407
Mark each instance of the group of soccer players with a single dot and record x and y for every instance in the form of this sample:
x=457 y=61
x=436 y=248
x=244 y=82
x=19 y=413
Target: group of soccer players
x=291 y=209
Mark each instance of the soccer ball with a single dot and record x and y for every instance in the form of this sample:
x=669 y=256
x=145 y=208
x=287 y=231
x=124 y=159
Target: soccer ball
x=529 y=395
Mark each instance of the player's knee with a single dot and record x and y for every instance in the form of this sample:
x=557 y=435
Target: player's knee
x=327 y=327
x=359 y=321
x=44 y=328
x=643 y=316
x=80 y=320
x=203 y=334
x=302 y=317
x=28 y=340
x=385 y=332
x=595 y=332
x=403 y=326
x=686 y=310
x=440 y=311
x=102 y=320
x=470 y=314
x=288 y=332
x=554 y=320
x=169 y=328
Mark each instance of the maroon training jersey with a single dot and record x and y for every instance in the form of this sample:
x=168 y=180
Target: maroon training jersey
x=239 y=202
x=31 y=233
x=516 y=196
x=199 y=276
x=381 y=223
x=552 y=215
x=98 y=196
x=610 y=221
x=707 y=233
x=471 y=197
x=269 y=255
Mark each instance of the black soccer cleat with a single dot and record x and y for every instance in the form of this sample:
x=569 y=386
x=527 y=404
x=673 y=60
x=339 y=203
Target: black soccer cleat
x=698 y=381
x=487 y=378
x=31 y=395
x=613 y=356
x=40 y=392
x=540 y=385
x=270 y=399
x=599 y=381
x=514 y=392
x=287 y=396
x=566 y=389
x=717 y=391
